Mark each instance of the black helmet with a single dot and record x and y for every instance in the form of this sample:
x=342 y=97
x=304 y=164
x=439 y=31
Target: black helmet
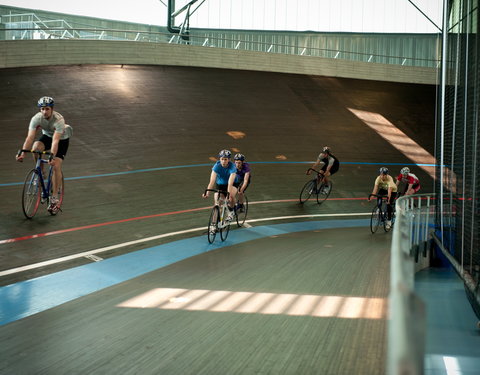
x=383 y=170
x=225 y=154
x=45 y=101
x=326 y=150
x=239 y=157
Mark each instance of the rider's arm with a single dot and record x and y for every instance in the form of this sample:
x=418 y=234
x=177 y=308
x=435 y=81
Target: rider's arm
x=211 y=183
x=331 y=161
x=389 y=193
x=230 y=187
x=55 y=140
x=315 y=165
x=28 y=142
x=245 y=182
x=374 y=191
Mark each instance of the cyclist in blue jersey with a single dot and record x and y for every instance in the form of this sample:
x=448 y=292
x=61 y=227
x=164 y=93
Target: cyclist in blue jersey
x=223 y=176
x=243 y=178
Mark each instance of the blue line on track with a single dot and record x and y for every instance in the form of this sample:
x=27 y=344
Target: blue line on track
x=210 y=164
x=29 y=297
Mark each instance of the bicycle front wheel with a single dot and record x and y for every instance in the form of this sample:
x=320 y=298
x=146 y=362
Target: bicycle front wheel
x=242 y=213
x=307 y=191
x=224 y=225
x=213 y=224
x=376 y=219
x=324 y=192
x=31 y=194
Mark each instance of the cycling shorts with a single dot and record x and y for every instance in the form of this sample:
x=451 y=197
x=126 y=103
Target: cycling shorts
x=62 y=145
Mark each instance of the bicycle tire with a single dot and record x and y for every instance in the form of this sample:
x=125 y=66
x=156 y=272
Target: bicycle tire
x=60 y=194
x=225 y=226
x=375 y=219
x=307 y=190
x=242 y=216
x=31 y=194
x=213 y=224
x=323 y=195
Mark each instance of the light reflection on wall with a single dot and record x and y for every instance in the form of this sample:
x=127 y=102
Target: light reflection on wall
x=321 y=306
x=397 y=139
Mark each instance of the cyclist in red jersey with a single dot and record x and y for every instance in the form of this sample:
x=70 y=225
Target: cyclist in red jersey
x=412 y=183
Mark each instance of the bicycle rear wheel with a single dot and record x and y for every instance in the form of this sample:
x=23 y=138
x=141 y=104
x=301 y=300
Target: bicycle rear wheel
x=323 y=192
x=31 y=194
x=242 y=216
x=213 y=224
x=307 y=191
x=376 y=219
x=387 y=227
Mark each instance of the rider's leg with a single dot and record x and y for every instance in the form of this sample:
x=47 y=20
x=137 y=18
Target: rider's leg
x=231 y=198
x=37 y=146
x=57 y=176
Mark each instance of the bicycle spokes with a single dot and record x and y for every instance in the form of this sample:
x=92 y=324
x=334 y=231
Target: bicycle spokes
x=31 y=194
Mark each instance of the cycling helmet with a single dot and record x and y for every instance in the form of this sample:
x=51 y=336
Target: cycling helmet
x=383 y=170
x=225 y=154
x=326 y=150
x=45 y=101
x=239 y=157
x=405 y=170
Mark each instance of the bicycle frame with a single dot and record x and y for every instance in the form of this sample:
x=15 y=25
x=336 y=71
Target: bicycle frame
x=218 y=216
x=315 y=186
x=38 y=166
x=382 y=206
x=38 y=186
x=45 y=188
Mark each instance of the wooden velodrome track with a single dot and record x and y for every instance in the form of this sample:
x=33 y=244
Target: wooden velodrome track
x=307 y=297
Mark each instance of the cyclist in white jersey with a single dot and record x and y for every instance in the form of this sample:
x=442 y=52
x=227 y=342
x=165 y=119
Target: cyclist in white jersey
x=55 y=137
x=412 y=183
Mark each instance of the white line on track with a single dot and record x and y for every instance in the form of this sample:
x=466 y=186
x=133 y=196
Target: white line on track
x=124 y=244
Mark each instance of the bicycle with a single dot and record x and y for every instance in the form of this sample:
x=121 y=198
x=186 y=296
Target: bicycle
x=380 y=214
x=241 y=213
x=218 y=217
x=316 y=186
x=37 y=189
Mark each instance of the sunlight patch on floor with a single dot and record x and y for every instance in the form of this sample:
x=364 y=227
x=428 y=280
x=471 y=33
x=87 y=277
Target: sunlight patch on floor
x=260 y=303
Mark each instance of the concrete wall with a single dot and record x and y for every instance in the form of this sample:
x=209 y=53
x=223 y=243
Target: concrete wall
x=24 y=53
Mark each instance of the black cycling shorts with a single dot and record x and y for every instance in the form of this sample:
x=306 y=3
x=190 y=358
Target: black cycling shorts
x=238 y=184
x=62 y=145
x=334 y=168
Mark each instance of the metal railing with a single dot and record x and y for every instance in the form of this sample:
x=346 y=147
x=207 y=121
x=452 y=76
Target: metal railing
x=29 y=26
x=412 y=235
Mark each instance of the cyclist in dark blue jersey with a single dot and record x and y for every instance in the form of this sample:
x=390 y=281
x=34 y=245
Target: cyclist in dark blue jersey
x=243 y=178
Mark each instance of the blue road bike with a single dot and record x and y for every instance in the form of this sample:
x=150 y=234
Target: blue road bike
x=38 y=188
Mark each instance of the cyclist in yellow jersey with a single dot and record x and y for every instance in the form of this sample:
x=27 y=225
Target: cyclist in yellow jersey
x=384 y=185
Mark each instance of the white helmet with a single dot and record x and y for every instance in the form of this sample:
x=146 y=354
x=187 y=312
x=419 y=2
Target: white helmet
x=405 y=171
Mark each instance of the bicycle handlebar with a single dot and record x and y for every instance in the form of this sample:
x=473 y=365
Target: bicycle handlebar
x=383 y=197
x=317 y=172
x=226 y=193
x=50 y=155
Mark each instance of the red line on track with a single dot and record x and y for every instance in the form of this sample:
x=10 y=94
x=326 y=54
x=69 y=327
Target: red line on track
x=40 y=235
x=10 y=240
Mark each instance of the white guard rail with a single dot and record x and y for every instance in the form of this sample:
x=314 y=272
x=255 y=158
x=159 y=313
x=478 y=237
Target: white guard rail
x=412 y=235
